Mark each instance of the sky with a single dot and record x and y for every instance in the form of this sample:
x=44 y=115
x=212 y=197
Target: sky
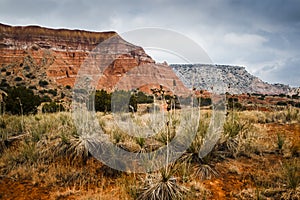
x=262 y=35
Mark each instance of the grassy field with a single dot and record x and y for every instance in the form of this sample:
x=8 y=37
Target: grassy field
x=257 y=157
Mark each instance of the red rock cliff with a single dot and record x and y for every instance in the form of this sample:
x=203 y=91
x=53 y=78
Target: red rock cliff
x=34 y=53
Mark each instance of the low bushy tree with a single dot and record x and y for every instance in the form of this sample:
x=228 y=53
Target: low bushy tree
x=102 y=101
x=21 y=100
x=52 y=107
x=124 y=101
x=143 y=98
x=204 y=101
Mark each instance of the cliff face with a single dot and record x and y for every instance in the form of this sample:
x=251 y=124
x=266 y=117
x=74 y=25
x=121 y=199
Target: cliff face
x=29 y=55
x=236 y=79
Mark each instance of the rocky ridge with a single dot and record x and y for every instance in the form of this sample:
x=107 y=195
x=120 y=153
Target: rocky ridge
x=236 y=79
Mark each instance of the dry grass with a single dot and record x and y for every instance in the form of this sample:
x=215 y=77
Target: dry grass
x=50 y=153
x=289 y=115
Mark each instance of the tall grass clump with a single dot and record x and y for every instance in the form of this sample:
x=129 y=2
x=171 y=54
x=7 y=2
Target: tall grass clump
x=235 y=133
x=64 y=141
x=291 y=114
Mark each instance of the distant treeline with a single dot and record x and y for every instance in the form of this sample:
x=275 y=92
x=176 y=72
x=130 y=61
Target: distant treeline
x=120 y=101
x=22 y=100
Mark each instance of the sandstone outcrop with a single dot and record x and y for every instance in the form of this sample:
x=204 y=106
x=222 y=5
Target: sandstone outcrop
x=31 y=54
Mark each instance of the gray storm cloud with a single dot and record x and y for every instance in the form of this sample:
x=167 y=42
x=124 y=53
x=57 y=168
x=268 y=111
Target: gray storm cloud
x=263 y=35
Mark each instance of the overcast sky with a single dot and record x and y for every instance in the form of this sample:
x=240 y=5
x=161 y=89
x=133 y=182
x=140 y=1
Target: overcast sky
x=263 y=35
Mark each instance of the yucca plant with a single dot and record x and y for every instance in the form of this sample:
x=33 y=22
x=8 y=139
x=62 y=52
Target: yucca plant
x=203 y=167
x=165 y=136
x=234 y=131
x=162 y=185
x=117 y=136
x=141 y=142
x=280 y=142
x=78 y=149
x=291 y=173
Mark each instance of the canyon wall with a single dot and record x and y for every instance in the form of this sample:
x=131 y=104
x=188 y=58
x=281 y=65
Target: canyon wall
x=44 y=59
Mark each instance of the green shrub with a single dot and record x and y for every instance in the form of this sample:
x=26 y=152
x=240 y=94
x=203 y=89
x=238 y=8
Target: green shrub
x=42 y=91
x=18 y=78
x=123 y=101
x=27 y=68
x=297 y=105
x=204 y=101
x=52 y=107
x=46 y=98
x=132 y=103
x=21 y=100
x=32 y=87
x=102 y=101
x=281 y=103
x=30 y=75
x=119 y=98
x=62 y=95
x=282 y=95
x=234 y=104
x=143 y=98
x=43 y=83
x=20 y=84
x=4 y=85
x=53 y=92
